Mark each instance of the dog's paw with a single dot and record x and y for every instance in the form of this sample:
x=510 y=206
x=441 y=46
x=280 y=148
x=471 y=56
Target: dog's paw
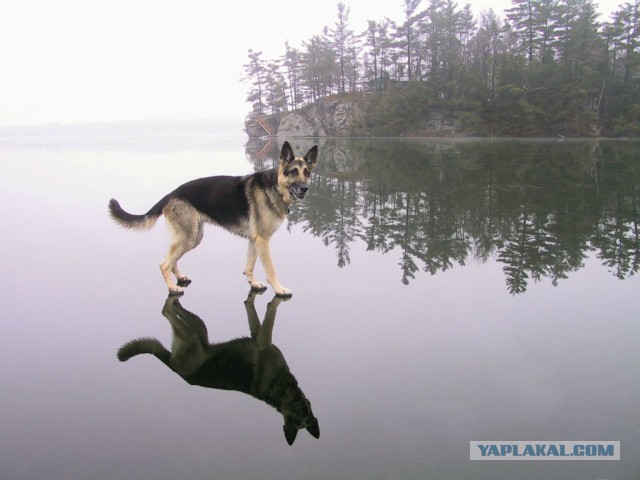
x=176 y=291
x=184 y=281
x=278 y=299
x=283 y=292
x=258 y=287
x=252 y=296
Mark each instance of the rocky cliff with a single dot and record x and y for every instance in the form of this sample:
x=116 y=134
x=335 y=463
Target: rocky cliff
x=339 y=118
x=324 y=118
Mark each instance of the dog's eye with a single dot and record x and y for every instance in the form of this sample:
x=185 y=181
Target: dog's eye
x=293 y=171
x=307 y=173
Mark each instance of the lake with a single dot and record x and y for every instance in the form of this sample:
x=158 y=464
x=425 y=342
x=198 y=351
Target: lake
x=444 y=292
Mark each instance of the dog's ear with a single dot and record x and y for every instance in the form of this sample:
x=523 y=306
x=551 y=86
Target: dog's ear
x=290 y=433
x=286 y=154
x=313 y=428
x=311 y=156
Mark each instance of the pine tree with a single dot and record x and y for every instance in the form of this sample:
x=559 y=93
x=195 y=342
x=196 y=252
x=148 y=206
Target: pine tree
x=372 y=36
x=292 y=63
x=275 y=87
x=343 y=38
x=320 y=69
x=628 y=19
x=487 y=46
x=255 y=72
x=523 y=18
x=407 y=34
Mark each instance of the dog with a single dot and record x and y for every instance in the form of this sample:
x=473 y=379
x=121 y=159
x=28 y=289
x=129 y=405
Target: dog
x=252 y=206
x=251 y=365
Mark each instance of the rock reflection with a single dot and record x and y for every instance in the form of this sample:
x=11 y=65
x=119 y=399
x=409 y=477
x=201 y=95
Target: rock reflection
x=538 y=207
x=251 y=365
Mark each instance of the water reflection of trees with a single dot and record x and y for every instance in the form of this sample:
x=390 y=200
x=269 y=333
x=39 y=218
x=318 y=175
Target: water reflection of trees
x=538 y=207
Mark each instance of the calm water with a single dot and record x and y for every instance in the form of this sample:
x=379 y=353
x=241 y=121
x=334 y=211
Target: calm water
x=444 y=292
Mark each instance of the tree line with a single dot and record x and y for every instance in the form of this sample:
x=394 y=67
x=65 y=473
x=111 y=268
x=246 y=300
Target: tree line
x=543 y=66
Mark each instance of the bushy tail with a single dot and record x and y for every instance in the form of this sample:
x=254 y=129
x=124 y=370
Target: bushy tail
x=129 y=220
x=144 y=345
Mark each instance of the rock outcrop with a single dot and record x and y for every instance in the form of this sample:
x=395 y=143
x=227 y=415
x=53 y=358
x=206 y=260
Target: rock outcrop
x=267 y=126
x=331 y=117
x=297 y=125
x=326 y=117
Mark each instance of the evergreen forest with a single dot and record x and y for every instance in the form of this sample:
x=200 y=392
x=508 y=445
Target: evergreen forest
x=540 y=68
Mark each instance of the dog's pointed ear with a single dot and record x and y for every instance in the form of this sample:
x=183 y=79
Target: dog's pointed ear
x=313 y=428
x=311 y=156
x=286 y=154
x=290 y=433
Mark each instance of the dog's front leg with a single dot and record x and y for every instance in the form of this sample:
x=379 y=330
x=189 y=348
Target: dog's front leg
x=252 y=255
x=262 y=247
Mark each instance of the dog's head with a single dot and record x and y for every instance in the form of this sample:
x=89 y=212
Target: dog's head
x=297 y=413
x=294 y=172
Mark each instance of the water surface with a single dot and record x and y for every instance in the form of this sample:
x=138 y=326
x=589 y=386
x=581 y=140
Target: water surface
x=444 y=291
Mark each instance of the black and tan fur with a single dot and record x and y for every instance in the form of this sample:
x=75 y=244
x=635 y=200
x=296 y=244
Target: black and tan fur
x=252 y=206
x=251 y=365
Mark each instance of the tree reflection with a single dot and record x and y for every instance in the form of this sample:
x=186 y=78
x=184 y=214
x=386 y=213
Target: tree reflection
x=538 y=207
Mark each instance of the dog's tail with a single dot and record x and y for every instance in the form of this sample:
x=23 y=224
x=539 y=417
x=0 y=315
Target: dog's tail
x=141 y=222
x=144 y=345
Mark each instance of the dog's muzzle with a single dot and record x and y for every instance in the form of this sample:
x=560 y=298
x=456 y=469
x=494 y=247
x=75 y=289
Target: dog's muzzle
x=298 y=191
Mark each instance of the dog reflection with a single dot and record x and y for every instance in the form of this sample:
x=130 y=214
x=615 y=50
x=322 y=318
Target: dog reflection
x=250 y=365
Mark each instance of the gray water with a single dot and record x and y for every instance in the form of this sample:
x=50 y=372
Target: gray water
x=444 y=291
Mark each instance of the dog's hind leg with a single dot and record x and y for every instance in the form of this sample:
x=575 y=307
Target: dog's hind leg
x=185 y=226
x=252 y=255
x=170 y=265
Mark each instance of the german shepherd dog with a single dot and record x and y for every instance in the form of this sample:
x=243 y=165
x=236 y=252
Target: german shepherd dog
x=252 y=206
x=249 y=365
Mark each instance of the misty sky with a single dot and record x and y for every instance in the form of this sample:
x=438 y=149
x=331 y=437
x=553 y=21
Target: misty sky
x=73 y=61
